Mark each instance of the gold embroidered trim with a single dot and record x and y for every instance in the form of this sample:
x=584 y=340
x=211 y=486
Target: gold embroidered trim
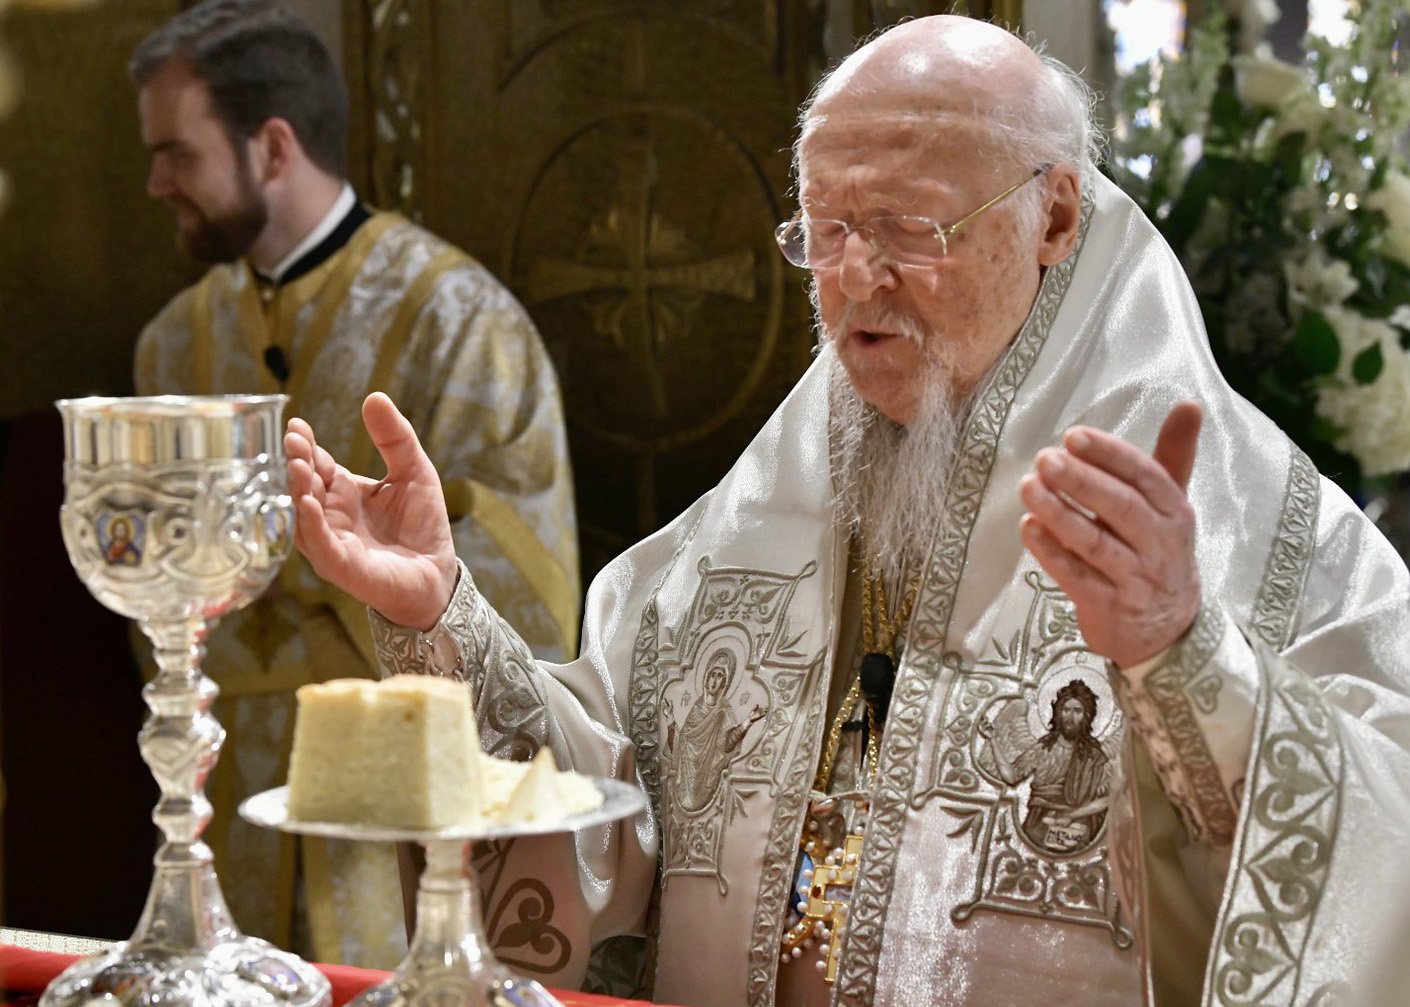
x=362 y=455
x=541 y=570
x=345 y=267
x=1208 y=813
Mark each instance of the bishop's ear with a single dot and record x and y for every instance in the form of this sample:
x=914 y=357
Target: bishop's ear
x=1063 y=214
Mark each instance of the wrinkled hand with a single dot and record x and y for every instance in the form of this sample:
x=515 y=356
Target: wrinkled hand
x=1115 y=529
x=387 y=543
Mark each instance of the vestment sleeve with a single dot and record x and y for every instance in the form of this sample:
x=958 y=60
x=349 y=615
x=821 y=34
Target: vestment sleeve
x=1289 y=763
x=1194 y=711
x=597 y=883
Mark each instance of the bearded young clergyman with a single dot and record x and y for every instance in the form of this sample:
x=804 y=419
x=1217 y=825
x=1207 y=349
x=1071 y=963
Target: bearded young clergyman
x=986 y=489
x=313 y=295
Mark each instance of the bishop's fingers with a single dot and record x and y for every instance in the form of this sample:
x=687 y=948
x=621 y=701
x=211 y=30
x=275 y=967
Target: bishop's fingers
x=1178 y=439
x=315 y=538
x=1127 y=463
x=1079 y=530
x=296 y=443
x=1079 y=580
x=395 y=439
x=1112 y=506
x=303 y=481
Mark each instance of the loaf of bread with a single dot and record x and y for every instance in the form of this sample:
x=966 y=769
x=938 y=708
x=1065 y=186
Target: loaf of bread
x=400 y=752
x=404 y=753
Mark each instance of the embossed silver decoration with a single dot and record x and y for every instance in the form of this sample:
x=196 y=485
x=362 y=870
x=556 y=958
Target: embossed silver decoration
x=904 y=741
x=450 y=963
x=175 y=513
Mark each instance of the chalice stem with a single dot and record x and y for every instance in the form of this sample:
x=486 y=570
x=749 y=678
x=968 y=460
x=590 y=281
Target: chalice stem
x=185 y=909
x=450 y=962
x=448 y=911
x=180 y=743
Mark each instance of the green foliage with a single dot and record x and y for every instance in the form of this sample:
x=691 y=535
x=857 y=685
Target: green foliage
x=1315 y=346
x=1368 y=364
x=1283 y=193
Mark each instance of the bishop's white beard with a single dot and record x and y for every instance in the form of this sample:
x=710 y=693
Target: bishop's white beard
x=892 y=480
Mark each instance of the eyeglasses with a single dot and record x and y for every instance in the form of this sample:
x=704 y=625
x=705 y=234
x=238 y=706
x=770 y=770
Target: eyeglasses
x=818 y=243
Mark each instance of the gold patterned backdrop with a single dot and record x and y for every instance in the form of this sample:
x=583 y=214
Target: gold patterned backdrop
x=85 y=256
x=85 y=259
x=621 y=165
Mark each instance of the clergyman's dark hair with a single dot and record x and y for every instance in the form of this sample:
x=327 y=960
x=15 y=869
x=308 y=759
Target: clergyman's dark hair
x=260 y=61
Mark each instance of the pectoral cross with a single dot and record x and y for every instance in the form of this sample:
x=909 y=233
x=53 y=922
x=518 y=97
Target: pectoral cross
x=829 y=906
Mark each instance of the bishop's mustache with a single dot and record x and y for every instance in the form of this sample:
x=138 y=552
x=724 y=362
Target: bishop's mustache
x=857 y=316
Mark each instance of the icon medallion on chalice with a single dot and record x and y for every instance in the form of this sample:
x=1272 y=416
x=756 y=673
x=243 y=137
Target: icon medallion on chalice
x=176 y=511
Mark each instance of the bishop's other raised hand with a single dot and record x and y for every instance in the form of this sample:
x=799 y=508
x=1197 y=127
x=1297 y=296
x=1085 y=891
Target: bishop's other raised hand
x=386 y=542
x=1113 y=526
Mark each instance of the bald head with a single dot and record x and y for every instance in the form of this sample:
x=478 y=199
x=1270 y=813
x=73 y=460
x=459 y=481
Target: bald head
x=936 y=66
x=948 y=72
x=948 y=155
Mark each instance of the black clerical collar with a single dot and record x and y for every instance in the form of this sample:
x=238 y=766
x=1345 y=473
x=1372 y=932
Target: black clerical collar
x=341 y=234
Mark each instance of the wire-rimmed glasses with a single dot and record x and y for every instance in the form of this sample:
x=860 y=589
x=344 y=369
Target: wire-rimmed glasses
x=818 y=242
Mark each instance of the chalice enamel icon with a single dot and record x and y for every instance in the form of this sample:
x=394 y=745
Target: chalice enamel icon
x=176 y=512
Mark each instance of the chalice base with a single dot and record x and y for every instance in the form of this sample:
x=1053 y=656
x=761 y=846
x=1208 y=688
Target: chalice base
x=238 y=972
x=488 y=985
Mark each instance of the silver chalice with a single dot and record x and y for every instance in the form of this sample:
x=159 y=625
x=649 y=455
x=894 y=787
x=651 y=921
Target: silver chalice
x=176 y=511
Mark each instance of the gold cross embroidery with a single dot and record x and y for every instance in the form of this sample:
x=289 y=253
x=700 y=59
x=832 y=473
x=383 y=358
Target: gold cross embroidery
x=825 y=905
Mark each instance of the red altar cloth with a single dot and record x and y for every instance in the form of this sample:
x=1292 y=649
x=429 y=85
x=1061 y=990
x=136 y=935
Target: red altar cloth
x=25 y=973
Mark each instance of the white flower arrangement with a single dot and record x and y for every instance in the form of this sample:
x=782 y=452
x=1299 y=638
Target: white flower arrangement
x=1393 y=200
x=1263 y=81
x=1284 y=193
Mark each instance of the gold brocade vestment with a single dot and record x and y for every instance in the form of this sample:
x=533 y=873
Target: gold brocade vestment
x=398 y=310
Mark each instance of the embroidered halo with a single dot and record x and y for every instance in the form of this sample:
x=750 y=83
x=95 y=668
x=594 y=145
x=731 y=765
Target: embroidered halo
x=1058 y=676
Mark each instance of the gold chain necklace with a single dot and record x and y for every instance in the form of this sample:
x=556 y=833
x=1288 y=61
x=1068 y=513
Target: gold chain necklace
x=831 y=873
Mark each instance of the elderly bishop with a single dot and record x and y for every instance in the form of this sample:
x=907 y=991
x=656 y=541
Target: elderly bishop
x=1042 y=668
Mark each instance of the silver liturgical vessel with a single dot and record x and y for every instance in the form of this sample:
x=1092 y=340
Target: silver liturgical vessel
x=176 y=511
x=449 y=962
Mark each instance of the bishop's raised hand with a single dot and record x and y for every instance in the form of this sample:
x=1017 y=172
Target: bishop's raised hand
x=386 y=542
x=1114 y=527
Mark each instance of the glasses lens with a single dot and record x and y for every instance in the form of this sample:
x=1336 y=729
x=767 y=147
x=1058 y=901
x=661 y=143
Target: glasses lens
x=811 y=243
x=913 y=240
x=792 y=242
x=826 y=239
x=819 y=242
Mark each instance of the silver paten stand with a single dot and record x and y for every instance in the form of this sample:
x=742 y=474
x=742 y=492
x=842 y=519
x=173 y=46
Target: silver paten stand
x=175 y=514
x=449 y=962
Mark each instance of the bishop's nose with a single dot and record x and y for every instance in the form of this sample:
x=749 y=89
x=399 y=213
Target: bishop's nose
x=864 y=269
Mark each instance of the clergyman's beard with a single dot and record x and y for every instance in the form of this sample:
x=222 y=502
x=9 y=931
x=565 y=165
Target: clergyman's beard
x=892 y=480
x=226 y=237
